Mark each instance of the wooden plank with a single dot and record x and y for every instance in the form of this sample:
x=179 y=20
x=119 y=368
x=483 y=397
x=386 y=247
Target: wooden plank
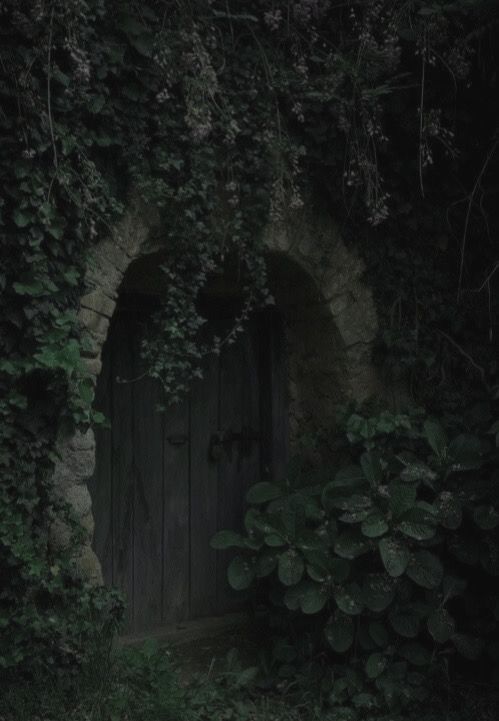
x=279 y=390
x=274 y=397
x=176 y=540
x=100 y=485
x=252 y=397
x=122 y=460
x=204 y=492
x=231 y=466
x=149 y=495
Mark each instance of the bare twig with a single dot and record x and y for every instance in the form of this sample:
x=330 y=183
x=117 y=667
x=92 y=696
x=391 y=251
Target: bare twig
x=487 y=279
x=465 y=354
x=471 y=199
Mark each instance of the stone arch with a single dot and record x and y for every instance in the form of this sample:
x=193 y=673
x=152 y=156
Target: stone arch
x=330 y=325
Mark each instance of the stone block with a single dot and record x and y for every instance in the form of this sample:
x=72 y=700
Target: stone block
x=78 y=497
x=94 y=322
x=73 y=468
x=87 y=566
x=82 y=440
x=98 y=302
x=93 y=366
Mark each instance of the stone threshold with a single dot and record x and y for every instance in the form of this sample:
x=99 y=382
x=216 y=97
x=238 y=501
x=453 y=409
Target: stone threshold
x=190 y=631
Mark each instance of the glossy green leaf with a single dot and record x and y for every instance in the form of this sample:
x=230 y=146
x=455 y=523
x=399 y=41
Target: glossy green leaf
x=486 y=517
x=378 y=591
x=405 y=623
x=263 y=493
x=227 y=539
x=375 y=665
x=441 y=625
x=374 y=525
x=339 y=632
x=349 y=599
x=395 y=556
x=415 y=653
x=350 y=545
x=240 y=573
x=436 y=437
x=426 y=570
x=290 y=567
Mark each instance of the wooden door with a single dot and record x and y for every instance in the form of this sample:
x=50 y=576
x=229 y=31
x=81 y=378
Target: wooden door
x=166 y=482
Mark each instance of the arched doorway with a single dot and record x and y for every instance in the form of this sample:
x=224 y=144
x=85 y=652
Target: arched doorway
x=165 y=482
x=330 y=327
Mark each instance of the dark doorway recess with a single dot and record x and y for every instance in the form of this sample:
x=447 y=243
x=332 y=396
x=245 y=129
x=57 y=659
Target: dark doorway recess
x=165 y=482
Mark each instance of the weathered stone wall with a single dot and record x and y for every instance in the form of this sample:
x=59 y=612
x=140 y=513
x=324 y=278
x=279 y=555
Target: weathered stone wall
x=329 y=317
x=330 y=325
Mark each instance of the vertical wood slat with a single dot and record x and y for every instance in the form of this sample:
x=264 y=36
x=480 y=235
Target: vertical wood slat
x=100 y=485
x=204 y=492
x=231 y=465
x=176 y=538
x=122 y=461
x=148 y=497
x=274 y=401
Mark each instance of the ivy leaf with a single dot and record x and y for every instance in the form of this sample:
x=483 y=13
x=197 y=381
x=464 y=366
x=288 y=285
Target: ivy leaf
x=35 y=289
x=426 y=570
x=290 y=567
x=21 y=219
x=96 y=104
x=86 y=391
x=441 y=625
x=339 y=632
x=395 y=556
x=240 y=573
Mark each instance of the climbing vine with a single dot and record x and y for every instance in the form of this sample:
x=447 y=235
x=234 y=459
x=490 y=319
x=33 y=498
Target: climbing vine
x=223 y=116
